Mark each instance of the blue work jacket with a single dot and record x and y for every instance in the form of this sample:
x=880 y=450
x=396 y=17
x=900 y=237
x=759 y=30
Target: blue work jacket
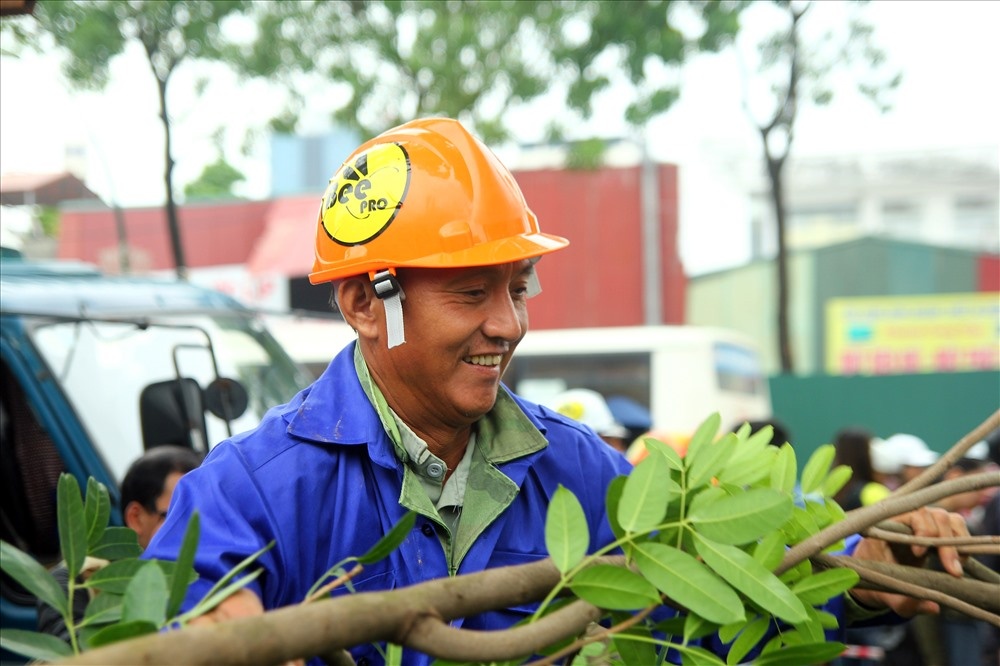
x=319 y=476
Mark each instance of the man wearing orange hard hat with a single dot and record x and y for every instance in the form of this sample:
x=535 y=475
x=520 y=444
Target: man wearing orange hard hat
x=431 y=250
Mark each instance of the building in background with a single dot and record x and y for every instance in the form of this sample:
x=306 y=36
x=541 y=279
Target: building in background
x=303 y=164
x=622 y=267
x=825 y=280
x=947 y=198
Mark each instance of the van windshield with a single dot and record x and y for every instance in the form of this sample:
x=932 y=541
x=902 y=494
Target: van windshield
x=104 y=366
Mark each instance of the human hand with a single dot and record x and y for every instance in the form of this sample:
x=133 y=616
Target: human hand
x=925 y=522
x=242 y=603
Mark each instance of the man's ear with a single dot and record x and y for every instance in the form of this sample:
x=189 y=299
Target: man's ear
x=359 y=306
x=133 y=515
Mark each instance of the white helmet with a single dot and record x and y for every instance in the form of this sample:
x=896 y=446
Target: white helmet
x=911 y=450
x=589 y=408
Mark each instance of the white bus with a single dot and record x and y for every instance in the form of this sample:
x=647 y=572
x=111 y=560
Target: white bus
x=680 y=374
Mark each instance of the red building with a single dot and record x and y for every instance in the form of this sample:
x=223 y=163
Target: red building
x=599 y=280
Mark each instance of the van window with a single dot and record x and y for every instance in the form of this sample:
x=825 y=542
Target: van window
x=538 y=378
x=737 y=369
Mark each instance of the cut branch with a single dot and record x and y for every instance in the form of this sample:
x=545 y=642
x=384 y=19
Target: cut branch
x=859 y=520
x=892 y=578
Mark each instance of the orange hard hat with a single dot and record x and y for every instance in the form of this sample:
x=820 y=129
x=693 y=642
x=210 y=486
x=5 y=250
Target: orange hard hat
x=424 y=194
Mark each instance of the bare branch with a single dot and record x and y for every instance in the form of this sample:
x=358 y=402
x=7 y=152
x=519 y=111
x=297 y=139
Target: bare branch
x=858 y=520
x=945 y=462
x=900 y=579
x=894 y=537
x=594 y=637
x=429 y=634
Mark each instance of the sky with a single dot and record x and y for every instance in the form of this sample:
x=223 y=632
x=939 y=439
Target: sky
x=947 y=52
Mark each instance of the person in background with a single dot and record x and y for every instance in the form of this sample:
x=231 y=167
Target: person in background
x=589 y=408
x=886 y=463
x=146 y=490
x=953 y=637
x=852 y=446
x=866 y=646
x=422 y=226
x=914 y=455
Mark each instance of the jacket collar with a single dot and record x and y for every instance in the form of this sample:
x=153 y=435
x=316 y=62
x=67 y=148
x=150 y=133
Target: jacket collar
x=336 y=410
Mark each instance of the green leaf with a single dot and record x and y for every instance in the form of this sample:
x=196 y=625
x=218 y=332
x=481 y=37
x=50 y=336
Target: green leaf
x=800 y=526
x=104 y=608
x=709 y=461
x=827 y=620
x=667 y=451
x=688 y=582
x=783 y=472
x=742 y=518
x=34 y=645
x=749 y=577
x=796 y=655
x=749 y=464
x=96 y=511
x=117 y=543
x=796 y=573
x=183 y=573
x=836 y=479
x=635 y=652
x=817 y=468
x=115 y=577
x=645 y=496
x=146 y=595
x=121 y=632
x=811 y=630
x=566 y=533
x=747 y=639
x=818 y=588
x=695 y=626
x=390 y=541
x=72 y=530
x=614 y=588
x=33 y=577
x=704 y=434
x=770 y=550
x=613 y=499
x=696 y=656
x=819 y=513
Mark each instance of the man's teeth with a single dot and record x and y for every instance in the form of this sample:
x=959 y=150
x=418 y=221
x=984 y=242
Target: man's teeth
x=484 y=359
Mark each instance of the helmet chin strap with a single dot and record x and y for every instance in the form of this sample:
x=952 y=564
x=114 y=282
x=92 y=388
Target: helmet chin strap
x=534 y=287
x=387 y=288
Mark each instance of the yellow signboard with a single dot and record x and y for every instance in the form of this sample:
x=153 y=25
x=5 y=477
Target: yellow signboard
x=909 y=334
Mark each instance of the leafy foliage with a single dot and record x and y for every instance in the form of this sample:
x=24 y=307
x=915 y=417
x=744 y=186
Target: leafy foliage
x=216 y=180
x=703 y=534
x=129 y=597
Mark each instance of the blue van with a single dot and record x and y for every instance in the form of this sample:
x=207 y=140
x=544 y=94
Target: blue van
x=95 y=369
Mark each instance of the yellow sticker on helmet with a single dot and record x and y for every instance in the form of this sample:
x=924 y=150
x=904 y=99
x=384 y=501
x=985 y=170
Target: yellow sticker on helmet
x=366 y=194
x=573 y=410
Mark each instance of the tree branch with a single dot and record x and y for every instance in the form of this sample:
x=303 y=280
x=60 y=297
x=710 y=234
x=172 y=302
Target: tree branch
x=858 y=520
x=929 y=475
x=430 y=635
x=900 y=579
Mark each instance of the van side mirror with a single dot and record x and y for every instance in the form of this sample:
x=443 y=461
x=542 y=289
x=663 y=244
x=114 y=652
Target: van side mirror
x=226 y=398
x=173 y=412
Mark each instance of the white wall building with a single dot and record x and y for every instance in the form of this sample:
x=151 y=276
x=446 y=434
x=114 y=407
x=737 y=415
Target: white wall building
x=949 y=198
